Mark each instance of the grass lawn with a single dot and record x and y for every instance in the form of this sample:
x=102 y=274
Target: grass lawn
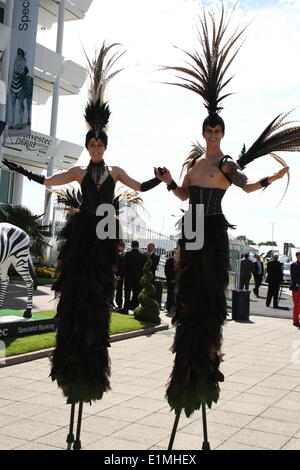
x=119 y=324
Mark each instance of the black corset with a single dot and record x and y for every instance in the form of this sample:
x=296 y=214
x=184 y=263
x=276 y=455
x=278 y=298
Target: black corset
x=210 y=197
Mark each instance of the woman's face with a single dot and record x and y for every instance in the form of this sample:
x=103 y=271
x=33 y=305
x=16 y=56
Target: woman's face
x=96 y=150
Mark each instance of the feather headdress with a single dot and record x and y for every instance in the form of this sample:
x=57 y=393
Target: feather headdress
x=206 y=69
x=100 y=71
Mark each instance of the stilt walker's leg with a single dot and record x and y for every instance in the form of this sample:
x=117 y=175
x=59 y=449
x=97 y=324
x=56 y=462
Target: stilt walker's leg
x=177 y=417
x=77 y=443
x=205 y=445
x=70 y=437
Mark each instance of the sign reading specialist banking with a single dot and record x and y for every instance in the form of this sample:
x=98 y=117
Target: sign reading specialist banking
x=28 y=328
x=21 y=67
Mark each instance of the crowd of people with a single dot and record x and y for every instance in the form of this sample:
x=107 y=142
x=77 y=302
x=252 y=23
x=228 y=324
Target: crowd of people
x=272 y=271
x=129 y=273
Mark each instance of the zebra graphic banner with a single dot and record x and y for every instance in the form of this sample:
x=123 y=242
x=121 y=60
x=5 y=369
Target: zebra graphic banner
x=21 y=67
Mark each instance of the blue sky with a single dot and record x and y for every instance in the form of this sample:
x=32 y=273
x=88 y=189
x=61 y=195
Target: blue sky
x=153 y=124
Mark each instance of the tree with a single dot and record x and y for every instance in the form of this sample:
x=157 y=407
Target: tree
x=149 y=309
x=30 y=223
x=268 y=243
x=245 y=239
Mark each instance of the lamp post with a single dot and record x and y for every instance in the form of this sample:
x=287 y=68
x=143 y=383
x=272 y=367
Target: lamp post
x=272 y=223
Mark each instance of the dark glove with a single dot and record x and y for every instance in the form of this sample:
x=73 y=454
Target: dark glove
x=150 y=184
x=19 y=169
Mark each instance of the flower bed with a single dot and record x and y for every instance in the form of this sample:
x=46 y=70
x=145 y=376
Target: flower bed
x=45 y=272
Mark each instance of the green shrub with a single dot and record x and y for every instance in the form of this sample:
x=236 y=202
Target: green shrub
x=149 y=308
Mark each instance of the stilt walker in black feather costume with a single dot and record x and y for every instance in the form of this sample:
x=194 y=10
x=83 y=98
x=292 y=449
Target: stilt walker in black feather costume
x=80 y=361
x=203 y=277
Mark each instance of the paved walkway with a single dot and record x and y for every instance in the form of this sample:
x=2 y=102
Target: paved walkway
x=259 y=406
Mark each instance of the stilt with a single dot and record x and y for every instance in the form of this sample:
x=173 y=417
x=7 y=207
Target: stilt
x=70 y=437
x=205 y=445
x=177 y=417
x=77 y=443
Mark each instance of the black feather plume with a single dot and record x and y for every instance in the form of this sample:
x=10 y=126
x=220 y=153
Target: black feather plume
x=206 y=69
x=273 y=140
x=70 y=198
x=196 y=152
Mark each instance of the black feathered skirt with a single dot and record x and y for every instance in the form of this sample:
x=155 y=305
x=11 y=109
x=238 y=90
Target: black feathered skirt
x=199 y=318
x=80 y=361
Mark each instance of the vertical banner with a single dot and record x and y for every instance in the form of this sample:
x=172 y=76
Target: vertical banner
x=21 y=67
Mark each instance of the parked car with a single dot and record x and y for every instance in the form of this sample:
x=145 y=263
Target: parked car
x=286 y=272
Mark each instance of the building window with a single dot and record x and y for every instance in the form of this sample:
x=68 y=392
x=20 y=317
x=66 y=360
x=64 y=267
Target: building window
x=6 y=187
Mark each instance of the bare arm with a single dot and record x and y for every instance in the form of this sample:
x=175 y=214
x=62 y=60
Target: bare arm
x=127 y=180
x=182 y=192
x=62 y=178
x=250 y=187
x=239 y=178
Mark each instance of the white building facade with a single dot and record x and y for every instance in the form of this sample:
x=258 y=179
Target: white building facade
x=54 y=75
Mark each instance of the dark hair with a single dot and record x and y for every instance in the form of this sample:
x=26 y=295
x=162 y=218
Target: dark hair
x=135 y=244
x=91 y=134
x=297 y=253
x=213 y=121
x=246 y=255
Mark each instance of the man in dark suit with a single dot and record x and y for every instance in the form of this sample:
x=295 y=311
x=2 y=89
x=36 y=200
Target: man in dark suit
x=295 y=288
x=154 y=258
x=246 y=272
x=274 y=279
x=120 y=274
x=133 y=271
x=258 y=274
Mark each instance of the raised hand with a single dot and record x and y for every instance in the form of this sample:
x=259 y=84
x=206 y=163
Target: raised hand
x=165 y=177
x=12 y=166
x=279 y=174
x=19 y=169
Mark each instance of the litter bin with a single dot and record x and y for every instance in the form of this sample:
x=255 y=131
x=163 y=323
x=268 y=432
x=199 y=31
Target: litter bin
x=240 y=305
x=159 y=291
